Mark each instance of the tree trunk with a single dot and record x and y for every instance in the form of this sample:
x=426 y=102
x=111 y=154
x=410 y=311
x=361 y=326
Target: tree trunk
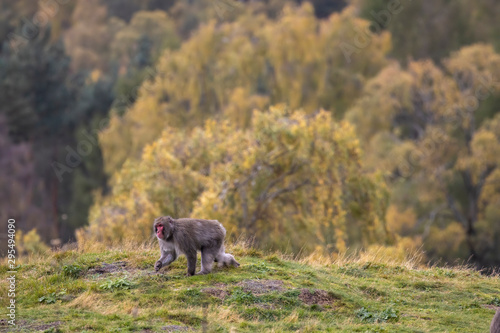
x=470 y=240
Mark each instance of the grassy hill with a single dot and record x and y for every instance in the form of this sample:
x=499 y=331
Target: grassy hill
x=117 y=290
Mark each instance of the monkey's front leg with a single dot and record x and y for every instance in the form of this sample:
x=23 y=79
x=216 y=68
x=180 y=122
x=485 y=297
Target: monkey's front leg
x=191 y=263
x=166 y=259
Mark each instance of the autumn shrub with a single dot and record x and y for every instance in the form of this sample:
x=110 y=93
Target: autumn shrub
x=290 y=181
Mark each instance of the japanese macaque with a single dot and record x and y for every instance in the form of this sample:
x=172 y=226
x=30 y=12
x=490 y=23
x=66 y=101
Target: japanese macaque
x=495 y=323
x=187 y=236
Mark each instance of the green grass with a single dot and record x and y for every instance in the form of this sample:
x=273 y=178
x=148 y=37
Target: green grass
x=118 y=291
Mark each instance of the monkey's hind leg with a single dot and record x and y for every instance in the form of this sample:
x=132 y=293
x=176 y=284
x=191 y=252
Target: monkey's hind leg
x=207 y=259
x=220 y=257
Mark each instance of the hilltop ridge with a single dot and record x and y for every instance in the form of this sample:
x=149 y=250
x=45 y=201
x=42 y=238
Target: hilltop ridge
x=117 y=290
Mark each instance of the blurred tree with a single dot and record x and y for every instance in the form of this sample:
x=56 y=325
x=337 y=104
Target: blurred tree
x=143 y=56
x=421 y=125
x=147 y=31
x=48 y=108
x=434 y=28
x=30 y=243
x=297 y=175
x=23 y=190
x=138 y=47
x=10 y=13
x=125 y=10
x=89 y=38
x=35 y=99
x=296 y=60
x=289 y=173
x=91 y=109
x=430 y=126
x=324 y=8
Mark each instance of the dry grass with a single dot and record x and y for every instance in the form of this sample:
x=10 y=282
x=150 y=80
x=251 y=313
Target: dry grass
x=425 y=298
x=375 y=255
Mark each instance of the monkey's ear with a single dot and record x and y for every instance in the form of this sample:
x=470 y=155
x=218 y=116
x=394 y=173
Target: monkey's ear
x=169 y=219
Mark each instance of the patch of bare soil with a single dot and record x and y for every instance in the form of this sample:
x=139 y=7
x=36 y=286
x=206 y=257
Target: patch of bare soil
x=218 y=290
x=318 y=296
x=108 y=268
x=30 y=327
x=3 y=325
x=259 y=287
x=491 y=307
x=175 y=328
x=45 y=327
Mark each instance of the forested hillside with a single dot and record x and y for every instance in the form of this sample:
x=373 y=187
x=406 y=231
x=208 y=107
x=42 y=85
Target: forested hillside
x=311 y=127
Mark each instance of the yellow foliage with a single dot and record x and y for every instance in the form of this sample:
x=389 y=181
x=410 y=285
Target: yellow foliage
x=491 y=192
x=236 y=66
x=429 y=130
x=240 y=107
x=400 y=222
x=446 y=243
x=406 y=249
x=156 y=25
x=30 y=242
x=288 y=173
x=473 y=66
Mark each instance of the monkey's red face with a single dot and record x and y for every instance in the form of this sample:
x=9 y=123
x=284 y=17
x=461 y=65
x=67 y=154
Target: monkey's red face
x=163 y=227
x=159 y=231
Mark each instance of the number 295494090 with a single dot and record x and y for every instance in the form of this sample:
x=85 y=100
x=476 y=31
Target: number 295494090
x=11 y=235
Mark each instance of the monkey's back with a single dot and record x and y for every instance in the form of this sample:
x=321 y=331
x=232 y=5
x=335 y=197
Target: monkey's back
x=202 y=233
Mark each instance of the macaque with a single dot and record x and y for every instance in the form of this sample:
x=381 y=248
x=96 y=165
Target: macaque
x=495 y=323
x=187 y=236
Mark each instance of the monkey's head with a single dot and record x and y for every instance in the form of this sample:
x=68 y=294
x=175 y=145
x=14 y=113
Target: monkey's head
x=163 y=227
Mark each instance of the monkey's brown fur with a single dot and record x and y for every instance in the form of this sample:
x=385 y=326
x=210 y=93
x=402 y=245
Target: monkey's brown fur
x=495 y=323
x=187 y=236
